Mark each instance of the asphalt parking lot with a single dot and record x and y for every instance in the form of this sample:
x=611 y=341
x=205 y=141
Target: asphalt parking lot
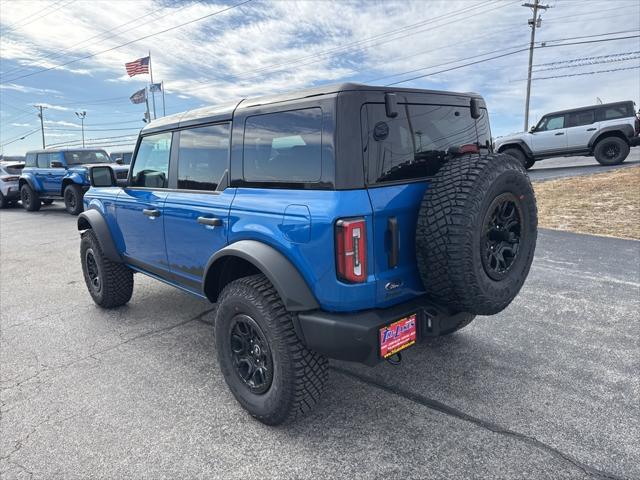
x=549 y=388
x=576 y=166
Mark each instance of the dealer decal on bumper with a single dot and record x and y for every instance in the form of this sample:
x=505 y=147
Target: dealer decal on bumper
x=397 y=336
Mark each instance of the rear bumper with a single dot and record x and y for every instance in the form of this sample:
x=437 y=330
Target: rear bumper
x=11 y=192
x=354 y=337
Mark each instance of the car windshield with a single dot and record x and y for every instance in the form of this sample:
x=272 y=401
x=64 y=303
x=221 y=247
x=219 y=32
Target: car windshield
x=83 y=156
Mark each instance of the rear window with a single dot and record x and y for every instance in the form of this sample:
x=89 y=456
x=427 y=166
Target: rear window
x=14 y=169
x=84 y=157
x=203 y=157
x=283 y=147
x=410 y=145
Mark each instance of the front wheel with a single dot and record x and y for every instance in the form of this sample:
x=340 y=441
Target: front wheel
x=73 y=199
x=267 y=368
x=4 y=203
x=527 y=162
x=611 y=151
x=30 y=198
x=109 y=283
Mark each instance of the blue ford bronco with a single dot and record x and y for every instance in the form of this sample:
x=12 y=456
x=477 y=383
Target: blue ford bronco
x=344 y=222
x=60 y=174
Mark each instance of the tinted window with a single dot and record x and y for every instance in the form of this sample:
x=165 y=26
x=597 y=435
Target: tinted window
x=551 y=123
x=580 y=118
x=31 y=160
x=617 y=111
x=43 y=160
x=203 y=157
x=126 y=158
x=84 y=157
x=151 y=166
x=283 y=147
x=413 y=144
x=14 y=169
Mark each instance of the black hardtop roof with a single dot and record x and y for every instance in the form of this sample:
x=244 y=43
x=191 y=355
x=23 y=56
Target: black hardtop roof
x=224 y=112
x=588 y=107
x=66 y=149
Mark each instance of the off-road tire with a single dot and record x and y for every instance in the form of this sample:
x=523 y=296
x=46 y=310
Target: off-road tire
x=4 y=203
x=450 y=233
x=298 y=374
x=47 y=202
x=115 y=279
x=73 y=199
x=30 y=198
x=526 y=161
x=608 y=145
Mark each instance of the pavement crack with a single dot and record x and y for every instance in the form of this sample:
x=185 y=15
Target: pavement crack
x=487 y=425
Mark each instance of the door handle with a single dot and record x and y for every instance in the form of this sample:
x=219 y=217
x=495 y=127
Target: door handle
x=591 y=129
x=213 y=222
x=151 y=212
x=559 y=133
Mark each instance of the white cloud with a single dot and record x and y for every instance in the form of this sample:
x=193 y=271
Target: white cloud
x=24 y=89
x=52 y=107
x=20 y=124
x=62 y=123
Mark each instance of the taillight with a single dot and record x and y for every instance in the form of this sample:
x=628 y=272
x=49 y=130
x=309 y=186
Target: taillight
x=469 y=148
x=9 y=178
x=351 y=249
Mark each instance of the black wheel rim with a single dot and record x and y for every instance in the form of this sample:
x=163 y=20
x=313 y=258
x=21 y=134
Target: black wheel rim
x=251 y=355
x=92 y=271
x=26 y=197
x=502 y=235
x=71 y=199
x=611 y=151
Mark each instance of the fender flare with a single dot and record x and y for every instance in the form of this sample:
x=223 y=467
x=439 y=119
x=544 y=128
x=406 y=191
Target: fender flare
x=290 y=285
x=93 y=219
x=625 y=129
x=517 y=143
x=28 y=179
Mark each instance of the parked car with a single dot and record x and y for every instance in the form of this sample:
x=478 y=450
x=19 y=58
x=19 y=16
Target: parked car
x=345 y=222
x=123 y=158
x=9 y=175
x=62 y=174
x=606 y=131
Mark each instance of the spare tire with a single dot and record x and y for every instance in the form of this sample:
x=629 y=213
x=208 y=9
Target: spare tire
x=476 y=233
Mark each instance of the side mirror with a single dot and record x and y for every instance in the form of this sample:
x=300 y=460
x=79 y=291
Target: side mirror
x=532 y=129
x=56 y=164
x=119 y=161
x=102 y=176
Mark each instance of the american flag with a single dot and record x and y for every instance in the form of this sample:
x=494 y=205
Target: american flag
x=138 y=66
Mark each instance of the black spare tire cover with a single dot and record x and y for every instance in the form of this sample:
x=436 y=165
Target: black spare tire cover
x=476 y=233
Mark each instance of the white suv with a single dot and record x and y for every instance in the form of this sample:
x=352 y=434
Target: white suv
x=606 y=131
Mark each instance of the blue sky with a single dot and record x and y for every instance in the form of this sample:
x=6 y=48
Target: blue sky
x=263 y=47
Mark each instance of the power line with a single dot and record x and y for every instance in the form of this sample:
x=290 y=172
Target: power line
x=587 y=73
x=93 y=130
x=597 y=57
x=592 y=61
x=18 y=23
x=20 y=137
x=130 y=42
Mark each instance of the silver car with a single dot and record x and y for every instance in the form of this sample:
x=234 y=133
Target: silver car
x=9 y=175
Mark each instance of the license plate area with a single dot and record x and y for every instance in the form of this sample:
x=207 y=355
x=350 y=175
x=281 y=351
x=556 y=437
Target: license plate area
x=398 y=335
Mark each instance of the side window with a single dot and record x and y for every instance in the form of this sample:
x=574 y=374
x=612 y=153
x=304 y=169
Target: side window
x=552 y=123
x=30 y=160
x=43 y=160
x=283 y=147
x=203 y=157
x=578 y=119
x=151 y=166
x=617 y=111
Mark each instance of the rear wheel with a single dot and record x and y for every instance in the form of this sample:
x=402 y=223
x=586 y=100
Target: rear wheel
x=109 y=283
x=476 y=233
x=73 y=199
x=30 y=199
x=266 y=366
x=527 y=162
x=611 y=151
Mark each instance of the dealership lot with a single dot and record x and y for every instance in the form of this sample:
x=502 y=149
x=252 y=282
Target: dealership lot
x=574 y=166
x=546 y=389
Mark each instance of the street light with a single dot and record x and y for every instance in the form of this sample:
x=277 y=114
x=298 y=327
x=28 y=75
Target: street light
x=81 y=116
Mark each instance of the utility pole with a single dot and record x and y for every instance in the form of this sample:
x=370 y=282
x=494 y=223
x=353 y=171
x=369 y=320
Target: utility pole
x=534 y=23
x=81 y=116
x=41 y=116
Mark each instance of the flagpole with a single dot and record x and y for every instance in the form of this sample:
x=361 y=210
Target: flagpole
x=164 y=112
x=153 y=93
x=146 y=100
